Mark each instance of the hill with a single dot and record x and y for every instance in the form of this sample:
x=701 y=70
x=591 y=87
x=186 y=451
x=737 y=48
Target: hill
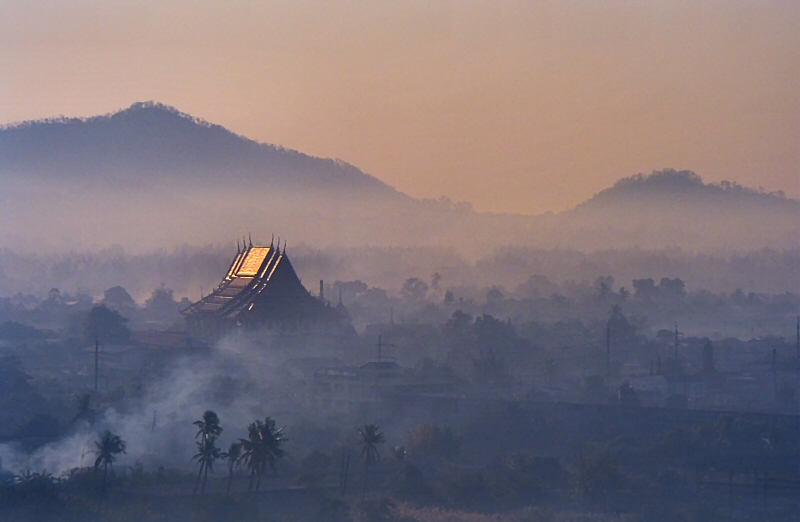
x=669 y=187
x=152 y=177
x=676 y=208
x=152 y=143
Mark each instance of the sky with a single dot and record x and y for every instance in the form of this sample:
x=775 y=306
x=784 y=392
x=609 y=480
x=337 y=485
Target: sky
x=525 y=106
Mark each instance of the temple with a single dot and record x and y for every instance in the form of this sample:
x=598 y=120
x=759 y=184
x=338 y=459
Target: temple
x=261 y=290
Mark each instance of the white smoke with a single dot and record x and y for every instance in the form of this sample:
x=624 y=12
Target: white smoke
x=159 y=432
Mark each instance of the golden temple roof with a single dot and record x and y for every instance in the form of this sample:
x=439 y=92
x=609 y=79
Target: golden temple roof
x=254 y=273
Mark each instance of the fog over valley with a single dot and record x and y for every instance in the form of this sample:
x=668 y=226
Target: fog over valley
x=151 y=177
x=395 y=261
x=194 y=325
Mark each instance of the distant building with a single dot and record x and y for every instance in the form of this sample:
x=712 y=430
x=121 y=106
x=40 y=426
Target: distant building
x=261 y=290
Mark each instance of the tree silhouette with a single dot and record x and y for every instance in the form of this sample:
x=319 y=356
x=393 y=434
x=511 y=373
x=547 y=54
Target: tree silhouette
x=207 y=450
x=117 y=298
x=233 y=455
x=414 y=289
x=620 y=329
x=108 y=447
x=208 y=426
x=627 y=396
x=261 y=449
x=107 y=325
x=162 y=302
x=370 y=438
x=207 y=453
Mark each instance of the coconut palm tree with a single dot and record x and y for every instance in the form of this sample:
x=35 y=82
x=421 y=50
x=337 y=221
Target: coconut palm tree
x=208 y=426
x=251 y=451
x=261 y=449
x=208 y=429
x=207 y=453
x=233 y=455
x=108 y=447
x=370 y=438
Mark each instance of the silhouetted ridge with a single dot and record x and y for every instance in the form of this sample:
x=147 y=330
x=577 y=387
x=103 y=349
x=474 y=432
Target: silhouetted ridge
x=138 y=106
x=669 y=186
x=152 y=141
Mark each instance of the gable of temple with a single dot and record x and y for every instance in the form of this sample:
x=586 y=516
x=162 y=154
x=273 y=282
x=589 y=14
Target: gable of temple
x=260 y=289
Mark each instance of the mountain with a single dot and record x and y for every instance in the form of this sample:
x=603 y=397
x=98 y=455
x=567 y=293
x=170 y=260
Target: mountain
x=149 y=142
x=152 y=177
x=676 y=208
x=668 y=188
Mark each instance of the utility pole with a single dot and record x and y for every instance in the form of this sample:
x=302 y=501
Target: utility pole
x=96 y=361
x=343 y=474
x=676 y=345
x=608 y=351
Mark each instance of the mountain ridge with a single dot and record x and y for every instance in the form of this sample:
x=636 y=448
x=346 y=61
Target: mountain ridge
x=155 y=138
x=150 y=173
x=250 y=160
x=667 y=185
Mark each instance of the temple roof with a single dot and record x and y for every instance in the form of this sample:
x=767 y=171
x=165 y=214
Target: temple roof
x=258 y=279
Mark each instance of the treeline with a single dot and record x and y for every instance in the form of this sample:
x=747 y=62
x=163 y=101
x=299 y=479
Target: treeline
x=518 y=463
x=81 y=316
x=189 y=270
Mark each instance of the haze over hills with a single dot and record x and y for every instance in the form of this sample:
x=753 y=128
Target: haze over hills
x=150 y=143
x=675 y=208
x=680 y=187
x=152 y=177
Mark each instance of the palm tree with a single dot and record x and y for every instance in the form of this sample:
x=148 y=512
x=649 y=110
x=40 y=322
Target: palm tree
x=207 y=453
x=261 y=448
x=208 y=426
x=370 y=438
x=233 y=455
x=108 y=447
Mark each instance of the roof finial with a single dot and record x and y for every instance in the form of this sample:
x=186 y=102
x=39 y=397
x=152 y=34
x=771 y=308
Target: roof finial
x=279 y=244
x=238 y=248
x=250 y=239
x=284 y=246
x=272 y=241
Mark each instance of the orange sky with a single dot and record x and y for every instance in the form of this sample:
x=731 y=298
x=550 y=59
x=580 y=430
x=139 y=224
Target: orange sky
x=515 y=106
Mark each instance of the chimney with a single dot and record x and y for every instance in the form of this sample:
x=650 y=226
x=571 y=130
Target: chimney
x=321 y=290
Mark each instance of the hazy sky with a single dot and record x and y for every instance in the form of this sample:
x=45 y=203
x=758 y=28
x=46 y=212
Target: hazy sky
x=515 y=106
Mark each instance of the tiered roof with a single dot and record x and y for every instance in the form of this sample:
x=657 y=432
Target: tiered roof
x=260 y=284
